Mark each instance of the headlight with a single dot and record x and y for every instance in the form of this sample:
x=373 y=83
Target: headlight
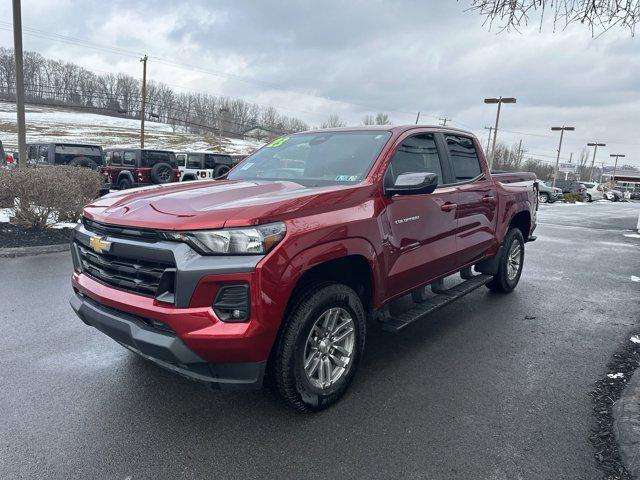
x=232 y=241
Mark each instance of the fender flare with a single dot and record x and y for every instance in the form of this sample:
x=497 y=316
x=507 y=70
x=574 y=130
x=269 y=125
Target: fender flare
x=313 y=256
x=125 y=173
x=510 y=213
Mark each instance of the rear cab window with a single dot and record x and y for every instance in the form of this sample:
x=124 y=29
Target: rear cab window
x=64 y=153
x=129 y=158
x=464 y=158
x=149 y=158
x=194 y=161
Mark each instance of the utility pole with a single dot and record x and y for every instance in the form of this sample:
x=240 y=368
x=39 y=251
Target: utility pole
x=444 y=121
x=220 y=120
x=417 y=118
x=615 y=167
x=499 y=101
x=593 y=160
x=562 y=130
x=488 y=139
x=144 y=98
x=519 y=151
x=17 y=52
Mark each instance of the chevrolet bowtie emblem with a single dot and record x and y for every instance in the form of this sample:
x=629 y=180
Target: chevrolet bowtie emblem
x=99 y=245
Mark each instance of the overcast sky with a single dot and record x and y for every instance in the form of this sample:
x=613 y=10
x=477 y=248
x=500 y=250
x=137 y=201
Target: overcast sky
x=353 y=58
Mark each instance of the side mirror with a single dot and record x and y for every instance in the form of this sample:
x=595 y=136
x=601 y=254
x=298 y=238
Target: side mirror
x=413 y=184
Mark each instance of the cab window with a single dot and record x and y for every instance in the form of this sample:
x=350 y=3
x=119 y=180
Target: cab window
x=129 y=158
x=464 y=158
x=415 y=154
x=116 y=159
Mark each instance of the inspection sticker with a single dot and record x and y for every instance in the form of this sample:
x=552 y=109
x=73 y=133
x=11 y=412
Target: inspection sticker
x=278 y=141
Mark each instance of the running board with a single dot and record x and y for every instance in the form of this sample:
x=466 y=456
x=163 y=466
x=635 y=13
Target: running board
x=397 y=322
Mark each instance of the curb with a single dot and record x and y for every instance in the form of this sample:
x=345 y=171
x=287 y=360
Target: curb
x=26 y=251
x=626 y=414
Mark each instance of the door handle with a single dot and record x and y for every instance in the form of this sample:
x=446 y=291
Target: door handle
x=447 y=207
x=488 y=199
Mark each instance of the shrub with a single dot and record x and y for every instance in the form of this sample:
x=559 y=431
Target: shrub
x=6 y=199
x=572 y=197
x=47 y=195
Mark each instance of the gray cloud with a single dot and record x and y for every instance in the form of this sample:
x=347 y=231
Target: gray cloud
x=354 y=57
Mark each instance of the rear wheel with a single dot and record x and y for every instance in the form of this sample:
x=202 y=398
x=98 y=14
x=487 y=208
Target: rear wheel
x=589 y=199
x=124 y=183
x=511 y=263
x=543 y=197
x=319 y=347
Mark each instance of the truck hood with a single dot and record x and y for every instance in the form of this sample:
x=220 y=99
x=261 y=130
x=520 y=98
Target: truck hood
x=215 y=204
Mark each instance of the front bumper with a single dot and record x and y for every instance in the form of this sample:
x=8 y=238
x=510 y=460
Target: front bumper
x=165 y=348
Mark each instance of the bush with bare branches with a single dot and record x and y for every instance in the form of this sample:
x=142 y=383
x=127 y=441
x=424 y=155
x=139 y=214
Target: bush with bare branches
x=43 y=196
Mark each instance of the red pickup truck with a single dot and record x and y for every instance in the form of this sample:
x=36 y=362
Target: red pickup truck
x=277 y=269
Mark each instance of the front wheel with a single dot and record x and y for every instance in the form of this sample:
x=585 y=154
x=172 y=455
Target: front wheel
x=543 y=197
x=589 y=199
x=511 y=263
x=320 y=346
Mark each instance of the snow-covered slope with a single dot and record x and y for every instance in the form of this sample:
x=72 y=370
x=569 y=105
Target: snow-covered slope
x=56 y=124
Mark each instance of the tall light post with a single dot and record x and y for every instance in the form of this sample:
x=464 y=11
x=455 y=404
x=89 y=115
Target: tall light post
x=595 y=146
x=562 y=130
x=499 y=101
x=615 y=166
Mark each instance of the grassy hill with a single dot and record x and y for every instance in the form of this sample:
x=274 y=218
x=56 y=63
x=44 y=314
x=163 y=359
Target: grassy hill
x=57 y=124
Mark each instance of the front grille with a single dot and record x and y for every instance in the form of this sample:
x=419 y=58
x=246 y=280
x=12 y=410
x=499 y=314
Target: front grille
x=103 y=229
x=133 y=275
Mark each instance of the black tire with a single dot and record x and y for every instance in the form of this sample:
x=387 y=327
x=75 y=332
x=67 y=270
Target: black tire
x=287 y=367
x=543 y=197
x=83 y=162
x=503 y=282
x=124 y=183
x=589 y=199
x=161 y=173
x=220 y=170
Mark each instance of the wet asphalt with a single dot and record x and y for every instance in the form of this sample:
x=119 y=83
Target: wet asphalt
x=491 y=387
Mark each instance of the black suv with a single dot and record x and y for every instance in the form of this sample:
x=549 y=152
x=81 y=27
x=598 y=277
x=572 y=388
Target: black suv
x=72 y=154
x=135 y=167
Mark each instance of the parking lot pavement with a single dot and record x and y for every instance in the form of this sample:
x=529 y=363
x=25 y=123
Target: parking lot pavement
x=492 y=386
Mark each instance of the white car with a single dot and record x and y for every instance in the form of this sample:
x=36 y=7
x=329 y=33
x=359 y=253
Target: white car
x=203 y=165
x=595 y=191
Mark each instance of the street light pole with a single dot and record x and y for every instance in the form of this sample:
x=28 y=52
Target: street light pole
x=593 y=160
x=17 y=52
x=615 y=167
x=499 y=101
x=562 y=130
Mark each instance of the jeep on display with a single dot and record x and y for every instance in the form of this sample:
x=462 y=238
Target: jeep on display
x=135 y=167
x=203 y=165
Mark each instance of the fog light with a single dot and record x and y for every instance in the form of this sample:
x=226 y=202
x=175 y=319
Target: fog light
x=232 y=303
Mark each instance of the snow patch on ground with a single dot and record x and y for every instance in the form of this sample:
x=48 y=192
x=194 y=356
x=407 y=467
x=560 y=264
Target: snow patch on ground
x=57 y=124
x=615 y=375
x=635 y=339
x=7 y=213
x=632 y=235
x=635 y=279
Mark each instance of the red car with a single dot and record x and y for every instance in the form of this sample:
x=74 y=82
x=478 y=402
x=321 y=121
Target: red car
x=278 y=268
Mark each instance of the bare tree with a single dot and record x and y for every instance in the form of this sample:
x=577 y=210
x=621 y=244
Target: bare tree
x=597 y=15
x=333 y=121
x=382 y=119
x=368 y=120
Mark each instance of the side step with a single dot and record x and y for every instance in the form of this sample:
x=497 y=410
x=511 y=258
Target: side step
x=430 y=305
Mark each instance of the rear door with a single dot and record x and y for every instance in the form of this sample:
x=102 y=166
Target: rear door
x=476 y=199
x=420 y=244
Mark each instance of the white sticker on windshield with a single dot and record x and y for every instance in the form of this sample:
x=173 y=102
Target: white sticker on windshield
x=246 y=166
x=346 y=178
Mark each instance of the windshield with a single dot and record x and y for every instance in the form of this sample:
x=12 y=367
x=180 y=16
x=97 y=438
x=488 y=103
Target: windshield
x=312 y=159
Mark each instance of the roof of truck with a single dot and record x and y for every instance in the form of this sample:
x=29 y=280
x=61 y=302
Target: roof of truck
x=390 y=128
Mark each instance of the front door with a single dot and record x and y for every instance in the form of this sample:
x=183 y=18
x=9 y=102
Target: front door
x=420 y=242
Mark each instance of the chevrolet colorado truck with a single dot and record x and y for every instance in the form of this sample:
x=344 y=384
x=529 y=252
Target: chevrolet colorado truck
x=277 y=270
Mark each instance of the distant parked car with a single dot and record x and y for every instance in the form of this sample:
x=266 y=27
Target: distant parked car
x=634 y=195
x=72 y=154
x=548 y=194
x=573 y=186
x=614 y=195
x=135 y=167
x=595 y=191
x=203 y=165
